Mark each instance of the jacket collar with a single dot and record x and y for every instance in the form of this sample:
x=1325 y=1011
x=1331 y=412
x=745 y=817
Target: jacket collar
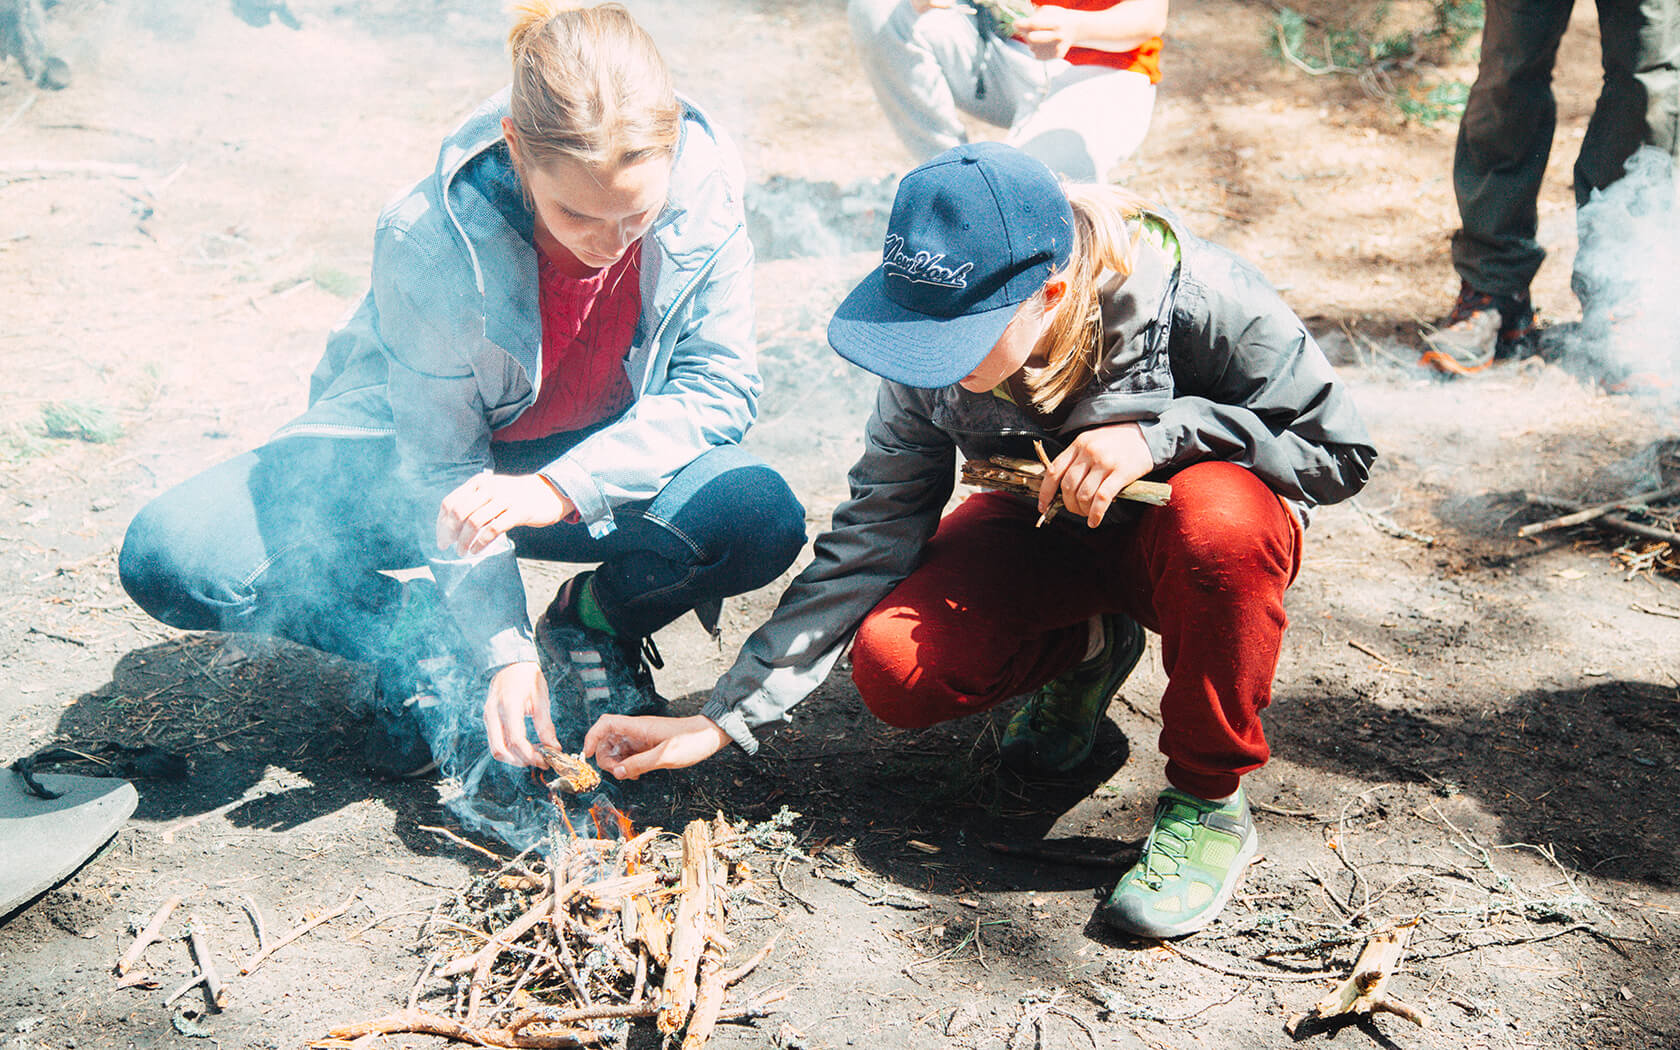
x=701 y=210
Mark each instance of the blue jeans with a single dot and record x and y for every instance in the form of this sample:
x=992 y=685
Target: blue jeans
x=293 y=540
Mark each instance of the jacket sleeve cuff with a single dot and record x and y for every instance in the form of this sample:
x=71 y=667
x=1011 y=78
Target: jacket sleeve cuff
x=586 y=496
x=730 y=721
x=509 y=646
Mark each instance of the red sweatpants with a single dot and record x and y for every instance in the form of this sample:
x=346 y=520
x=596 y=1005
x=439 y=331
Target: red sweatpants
x=997 y=608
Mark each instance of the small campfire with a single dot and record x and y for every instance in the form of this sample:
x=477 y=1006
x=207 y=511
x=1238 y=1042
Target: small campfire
x=605 y=932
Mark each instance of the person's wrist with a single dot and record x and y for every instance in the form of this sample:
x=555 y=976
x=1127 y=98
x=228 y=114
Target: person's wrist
x=562 y=505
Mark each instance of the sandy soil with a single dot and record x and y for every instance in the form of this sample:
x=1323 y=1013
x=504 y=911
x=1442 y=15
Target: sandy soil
x=1476 y=733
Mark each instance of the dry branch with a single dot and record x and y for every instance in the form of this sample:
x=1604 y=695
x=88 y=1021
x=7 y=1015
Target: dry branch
x=325 y=917
x=1592 y=513
x=512 y=932
x=688 y=933
x=1609 y=519
x=420 y=1022
x=1362 y=992
x=147 y=935
x=1024 y=476
x=206 y=965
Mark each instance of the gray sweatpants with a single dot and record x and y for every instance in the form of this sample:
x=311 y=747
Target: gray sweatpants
x=1506 y=134
x=1079 y=120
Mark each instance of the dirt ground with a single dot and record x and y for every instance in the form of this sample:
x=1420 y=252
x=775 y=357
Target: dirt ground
x=1475 y=733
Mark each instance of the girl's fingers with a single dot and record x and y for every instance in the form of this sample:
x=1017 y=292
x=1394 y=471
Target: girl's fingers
x=493 y=734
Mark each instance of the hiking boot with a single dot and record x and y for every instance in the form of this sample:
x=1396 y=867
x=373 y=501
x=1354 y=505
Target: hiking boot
x=1191 y=862
x=592 y=672
x=425 y=666
x=395 y=748
x=1482 y=328
x=1053 y=732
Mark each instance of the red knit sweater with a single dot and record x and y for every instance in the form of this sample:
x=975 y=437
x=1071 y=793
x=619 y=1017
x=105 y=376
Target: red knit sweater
x=587 y=326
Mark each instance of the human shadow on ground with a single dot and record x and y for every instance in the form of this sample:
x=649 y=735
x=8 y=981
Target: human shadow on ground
x=1586 y=769
x=271 y=733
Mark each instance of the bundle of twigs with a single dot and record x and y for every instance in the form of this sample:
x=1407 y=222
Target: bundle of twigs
x=1024 y=476
x=606 y=931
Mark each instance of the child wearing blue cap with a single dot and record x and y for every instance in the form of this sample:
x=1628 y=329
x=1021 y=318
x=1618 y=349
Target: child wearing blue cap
x=1010 y=309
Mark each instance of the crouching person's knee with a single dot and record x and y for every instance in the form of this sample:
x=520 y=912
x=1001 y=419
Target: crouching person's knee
x=893 y=674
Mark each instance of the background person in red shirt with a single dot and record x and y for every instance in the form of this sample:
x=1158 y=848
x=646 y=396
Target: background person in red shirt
x=1072 y=80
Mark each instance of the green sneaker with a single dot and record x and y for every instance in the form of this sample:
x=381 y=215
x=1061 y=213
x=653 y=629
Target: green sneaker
x=1191 y=862
x=1053 y=732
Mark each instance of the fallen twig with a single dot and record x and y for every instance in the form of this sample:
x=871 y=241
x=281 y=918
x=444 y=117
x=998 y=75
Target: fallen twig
x=419 y=1022
x=1391 y=527
x=451 y=836
x=1619 y=522
x=147 y=935
x=1362 y=991
x=206 y=965
x=261 y=956
x=1595 y=511
x=1240 y=971
x=1053 y=855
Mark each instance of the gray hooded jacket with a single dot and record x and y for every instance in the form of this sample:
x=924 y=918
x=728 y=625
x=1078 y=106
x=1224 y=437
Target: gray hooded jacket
x=445 y=348
x=1200 y=352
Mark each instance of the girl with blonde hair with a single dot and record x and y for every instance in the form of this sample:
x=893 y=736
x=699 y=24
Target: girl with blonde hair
x=1009 y=309
x=555 y=361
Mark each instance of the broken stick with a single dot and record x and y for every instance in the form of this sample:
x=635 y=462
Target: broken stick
x=1362 y=992
x=1594 y=512
x=148 y=934
x=688 y=934
x=1610 y=519
x=257 y=960
x=206 y=965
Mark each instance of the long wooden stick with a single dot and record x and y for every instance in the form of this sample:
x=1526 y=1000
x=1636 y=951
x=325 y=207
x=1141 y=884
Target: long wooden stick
x=258 y=959
x=1597 y=510
x=206 y=964
x=147 y=935
x=510 y=933
x=708 y=999
x=1613 y=520
x=688 y=936
x=420 y=1022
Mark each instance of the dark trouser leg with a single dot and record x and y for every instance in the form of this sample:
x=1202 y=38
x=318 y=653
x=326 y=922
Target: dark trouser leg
x=725 y=525
x=1503 y=142
x=1639 y=103
x=287 y=540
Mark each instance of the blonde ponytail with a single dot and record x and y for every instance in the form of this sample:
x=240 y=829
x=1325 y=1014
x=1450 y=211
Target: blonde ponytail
x=1072 y=342
x=589 y=86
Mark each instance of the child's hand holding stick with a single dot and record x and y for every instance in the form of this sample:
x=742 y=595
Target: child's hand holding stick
x=1023 y=476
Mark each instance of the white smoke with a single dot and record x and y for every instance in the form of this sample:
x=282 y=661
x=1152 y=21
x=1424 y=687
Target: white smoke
x=1627 y=273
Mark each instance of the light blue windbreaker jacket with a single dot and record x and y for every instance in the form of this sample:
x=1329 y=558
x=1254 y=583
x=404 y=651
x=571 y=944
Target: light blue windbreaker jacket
x=1198 y=350
x=445 y=348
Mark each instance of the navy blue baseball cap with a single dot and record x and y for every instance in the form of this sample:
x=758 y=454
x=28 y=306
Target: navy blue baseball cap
x=974 y=233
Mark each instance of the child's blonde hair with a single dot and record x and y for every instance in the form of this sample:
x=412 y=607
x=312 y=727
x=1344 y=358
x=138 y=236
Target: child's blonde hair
x=1072 y=340
x=589 y=86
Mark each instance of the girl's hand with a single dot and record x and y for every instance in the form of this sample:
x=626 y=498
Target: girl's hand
x=922 y=7
x=628 y=746
x=1050 y=31
x=1092 y=471
x=485 y=507
x=517 y=692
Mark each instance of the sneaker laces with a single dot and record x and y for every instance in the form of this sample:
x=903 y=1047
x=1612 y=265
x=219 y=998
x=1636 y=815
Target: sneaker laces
x=1169 y=840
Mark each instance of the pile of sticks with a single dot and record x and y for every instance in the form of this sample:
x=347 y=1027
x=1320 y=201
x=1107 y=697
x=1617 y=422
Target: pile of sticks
x=606 y=932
